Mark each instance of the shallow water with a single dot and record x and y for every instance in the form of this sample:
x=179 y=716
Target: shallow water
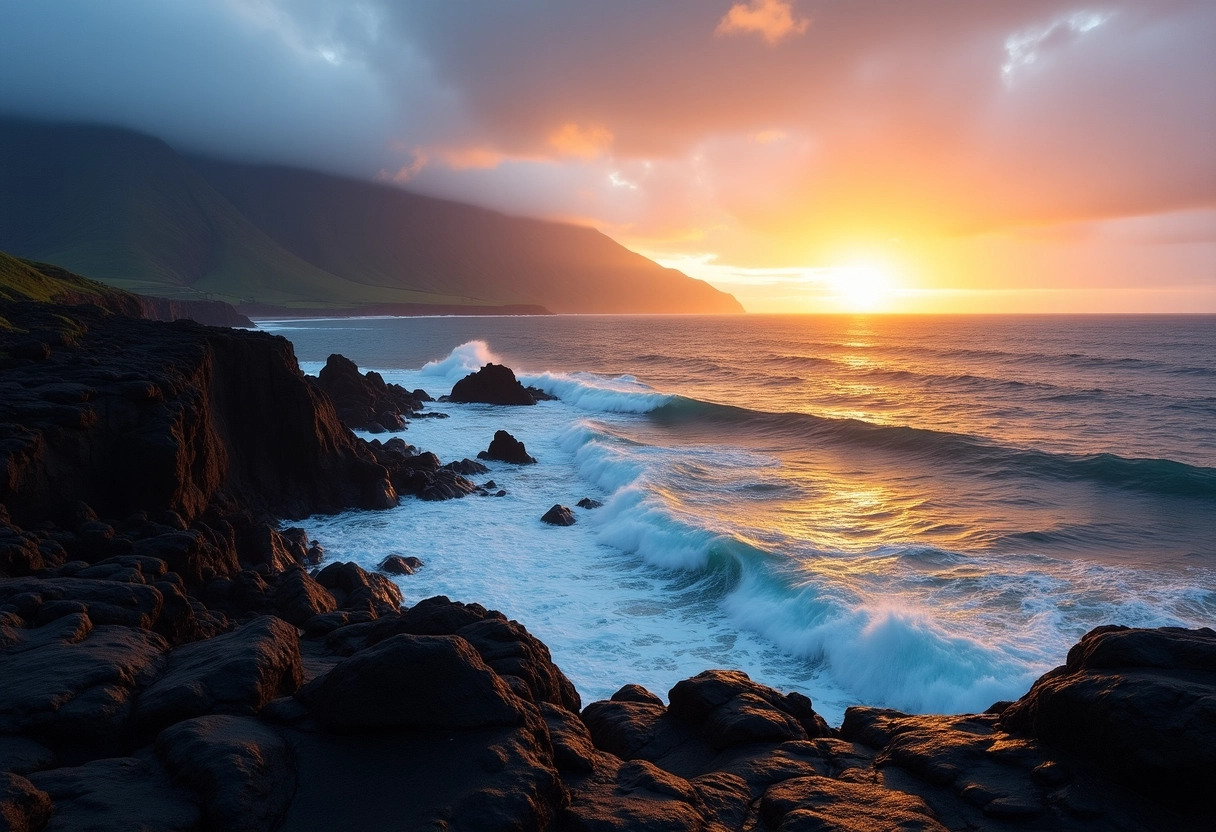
x=922 y=513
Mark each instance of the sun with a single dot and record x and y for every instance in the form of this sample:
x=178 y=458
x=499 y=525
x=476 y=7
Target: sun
x=861 y=288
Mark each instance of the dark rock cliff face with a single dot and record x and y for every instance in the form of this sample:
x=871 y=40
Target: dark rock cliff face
x=129 y=415
x=209 y=312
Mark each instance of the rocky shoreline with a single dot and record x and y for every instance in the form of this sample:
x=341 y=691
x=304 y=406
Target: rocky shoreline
x=173 y=658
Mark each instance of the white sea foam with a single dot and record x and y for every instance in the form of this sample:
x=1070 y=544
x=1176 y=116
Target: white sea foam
x=469 y=357
x=620 y=394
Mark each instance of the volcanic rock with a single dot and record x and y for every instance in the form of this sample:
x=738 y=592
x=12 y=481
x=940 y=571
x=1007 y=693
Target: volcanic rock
x=1140 y=703
x=506 y=448
x=234 y=673
x=23 y=807
x=492 y=384
x=117 y=793
x=420 y=682
x=467 y=467
x=241 y=770
x=559 y=515
x=365 y=402
x=297 y=597
x=355 y=589
x=180 y=417
x=398 y=565
x=70 y=681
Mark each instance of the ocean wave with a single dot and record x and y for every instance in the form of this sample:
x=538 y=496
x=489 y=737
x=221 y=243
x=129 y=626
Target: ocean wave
x=1158 y=476
x=469 y=357
x=603 y=394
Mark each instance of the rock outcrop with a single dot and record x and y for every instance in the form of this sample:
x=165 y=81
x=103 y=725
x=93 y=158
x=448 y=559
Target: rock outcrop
x=130 y=415
x=506 y=448
x=559 y=515
x=495 y=384
x=365 y=401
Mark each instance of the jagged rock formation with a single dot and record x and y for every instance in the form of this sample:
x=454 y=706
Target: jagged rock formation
x=366 y=402
x=129 y=415
x=506 y=448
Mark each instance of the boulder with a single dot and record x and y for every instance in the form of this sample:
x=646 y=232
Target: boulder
x=467 y=467
x=297 y=597
x=22 y=755
x=117 y=793
x=23 y=807
x=506 y=448
x=446 y=484
x=355 y=589
x=559 y=515
x=511 y=651
x=729 y=709
x=412 y=682
x=399 y=565
x=241 y=770
x=70 y=681
x=1139 y=703
x=813 y=803
x=492 y=384
x=235 y=673
x=587 y=502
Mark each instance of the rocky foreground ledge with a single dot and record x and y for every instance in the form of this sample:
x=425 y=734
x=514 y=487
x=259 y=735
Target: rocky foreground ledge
x=171 y=659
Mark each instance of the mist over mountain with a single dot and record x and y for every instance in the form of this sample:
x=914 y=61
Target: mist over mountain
x=128 y=209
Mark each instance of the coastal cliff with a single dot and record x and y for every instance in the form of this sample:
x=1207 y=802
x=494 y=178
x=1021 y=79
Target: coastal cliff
x=174 y=660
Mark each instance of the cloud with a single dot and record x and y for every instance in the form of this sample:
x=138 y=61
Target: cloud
x=773 y=20
x=581 y=141
x=939 y=118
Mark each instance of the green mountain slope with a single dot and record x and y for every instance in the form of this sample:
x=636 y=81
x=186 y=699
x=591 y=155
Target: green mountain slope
x=383 y=236
x=22 y=280
x=129 y=210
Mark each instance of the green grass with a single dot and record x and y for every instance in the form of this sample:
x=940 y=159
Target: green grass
x=25 y=280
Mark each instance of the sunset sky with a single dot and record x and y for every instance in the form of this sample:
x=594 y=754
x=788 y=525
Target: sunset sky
x=805 y=155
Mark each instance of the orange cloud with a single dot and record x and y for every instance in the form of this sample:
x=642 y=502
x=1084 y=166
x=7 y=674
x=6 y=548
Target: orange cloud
x=773 y=20
x=584 y=142
x=473 y=158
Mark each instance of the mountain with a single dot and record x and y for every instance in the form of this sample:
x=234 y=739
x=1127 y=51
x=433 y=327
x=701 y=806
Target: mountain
x=25 y=280
x=131 y=211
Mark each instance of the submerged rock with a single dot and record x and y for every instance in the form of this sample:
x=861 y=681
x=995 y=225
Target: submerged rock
x=399 y=565
x=506 y=448
x=587 y=502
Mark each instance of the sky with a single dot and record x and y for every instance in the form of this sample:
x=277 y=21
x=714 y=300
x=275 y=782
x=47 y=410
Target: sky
x=804 y=155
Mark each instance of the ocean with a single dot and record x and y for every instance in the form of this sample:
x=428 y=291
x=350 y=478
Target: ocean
x=921 y=513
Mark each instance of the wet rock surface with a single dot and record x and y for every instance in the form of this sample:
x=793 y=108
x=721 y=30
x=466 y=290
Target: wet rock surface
x=495 y=384
x=365 y=401
x=559 y=515
x=506 y=448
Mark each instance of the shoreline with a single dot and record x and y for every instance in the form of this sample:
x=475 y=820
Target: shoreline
x=163 y=635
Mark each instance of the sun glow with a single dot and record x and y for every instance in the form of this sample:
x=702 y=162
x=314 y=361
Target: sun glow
x=862 y=288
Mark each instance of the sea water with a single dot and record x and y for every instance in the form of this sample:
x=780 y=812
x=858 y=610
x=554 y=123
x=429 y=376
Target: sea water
x=922 y=513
